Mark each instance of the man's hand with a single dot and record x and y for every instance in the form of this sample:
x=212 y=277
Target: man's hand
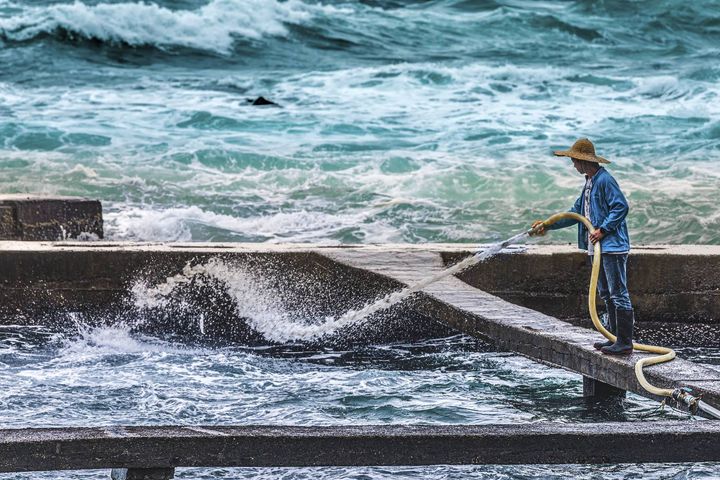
x=539 y=231
x=596 y=236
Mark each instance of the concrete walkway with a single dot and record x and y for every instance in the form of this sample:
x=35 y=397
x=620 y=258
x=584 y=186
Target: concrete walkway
x=152 y=452
x=528 y=332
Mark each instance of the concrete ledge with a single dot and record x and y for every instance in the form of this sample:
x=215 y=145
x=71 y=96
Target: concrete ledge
x=268 y=446
x=668 y=283
x=38 y=218
x=41 y=282
x=678 y=283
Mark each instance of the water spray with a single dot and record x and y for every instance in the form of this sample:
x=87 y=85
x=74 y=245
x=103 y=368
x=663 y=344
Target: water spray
x=354 y=316
x=269 y=319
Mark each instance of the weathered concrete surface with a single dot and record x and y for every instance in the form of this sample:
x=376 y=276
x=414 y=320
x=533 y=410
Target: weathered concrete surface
x=38 y=218
x=268 y=446
x=679 y=283
x=142 y=473
x=41 y=282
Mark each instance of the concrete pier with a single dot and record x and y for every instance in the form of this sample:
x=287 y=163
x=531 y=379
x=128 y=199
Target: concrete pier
x=156 y=451
x=525 y=331
x=679 y=283
x=596 y=389
x=40 y=280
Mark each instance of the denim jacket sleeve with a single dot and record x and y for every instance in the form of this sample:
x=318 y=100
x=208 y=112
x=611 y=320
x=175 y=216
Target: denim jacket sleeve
x=617 y=205
x=568 y=222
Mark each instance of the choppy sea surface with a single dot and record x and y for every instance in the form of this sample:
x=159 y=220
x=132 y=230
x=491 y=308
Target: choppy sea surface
x=110 y=376
x=408 y=121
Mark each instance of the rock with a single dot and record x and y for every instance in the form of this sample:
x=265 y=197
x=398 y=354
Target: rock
x=260 y=101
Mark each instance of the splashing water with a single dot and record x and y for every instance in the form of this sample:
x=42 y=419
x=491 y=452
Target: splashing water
x=354 y=316
x=255 y=300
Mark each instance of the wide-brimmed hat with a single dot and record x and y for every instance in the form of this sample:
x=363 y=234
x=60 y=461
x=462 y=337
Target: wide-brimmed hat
x=583 y=149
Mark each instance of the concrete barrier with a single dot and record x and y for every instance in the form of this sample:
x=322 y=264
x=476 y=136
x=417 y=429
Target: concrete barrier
x=40 y=283
x=667 y=283
x=678 y=283
x=38 y=218
x=158 y=450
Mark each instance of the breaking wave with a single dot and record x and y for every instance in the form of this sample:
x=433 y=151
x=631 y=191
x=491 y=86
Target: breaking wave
x=443 y=113
x=254 y=296
x=213 y=27
x=178 y=224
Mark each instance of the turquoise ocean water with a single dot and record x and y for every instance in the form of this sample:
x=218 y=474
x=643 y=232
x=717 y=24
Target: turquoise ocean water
x=399 y=121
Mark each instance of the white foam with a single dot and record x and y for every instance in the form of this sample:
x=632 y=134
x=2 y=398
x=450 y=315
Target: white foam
x=660 y=86
x=83 y=170
x=87 y=237
x=215 y=26
x=174 y=224
x=102 y=340
x=134 y=224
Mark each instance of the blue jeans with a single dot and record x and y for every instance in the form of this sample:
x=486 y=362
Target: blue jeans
x=612 y=282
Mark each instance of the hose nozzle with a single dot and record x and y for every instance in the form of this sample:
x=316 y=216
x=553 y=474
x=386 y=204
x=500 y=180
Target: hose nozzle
x=684 y=396
x=537 y=228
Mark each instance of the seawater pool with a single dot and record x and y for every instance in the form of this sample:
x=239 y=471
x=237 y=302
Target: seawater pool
x=112 y=376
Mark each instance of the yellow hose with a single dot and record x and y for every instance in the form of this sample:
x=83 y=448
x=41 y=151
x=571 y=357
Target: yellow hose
x=665 y=354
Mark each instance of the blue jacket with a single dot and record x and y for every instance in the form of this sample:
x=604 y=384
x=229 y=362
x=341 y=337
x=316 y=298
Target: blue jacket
x=608 y=209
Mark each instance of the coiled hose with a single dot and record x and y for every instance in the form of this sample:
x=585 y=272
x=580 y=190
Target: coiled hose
x=665 y=354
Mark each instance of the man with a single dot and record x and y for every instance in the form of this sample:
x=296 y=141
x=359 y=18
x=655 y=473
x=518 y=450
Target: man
x=602 y=202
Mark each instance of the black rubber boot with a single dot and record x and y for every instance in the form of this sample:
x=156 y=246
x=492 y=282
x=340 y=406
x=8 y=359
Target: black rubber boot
x=623 y=345
x=611 y=326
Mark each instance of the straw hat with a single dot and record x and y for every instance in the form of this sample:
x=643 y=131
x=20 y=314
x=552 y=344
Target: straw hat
x=583 y=149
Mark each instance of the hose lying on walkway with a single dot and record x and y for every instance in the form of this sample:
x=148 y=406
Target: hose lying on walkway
x=664 y=354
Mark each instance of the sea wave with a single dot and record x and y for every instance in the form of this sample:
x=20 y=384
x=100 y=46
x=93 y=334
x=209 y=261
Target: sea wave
x=213 y=27
x=408 y=32
x=177 y=224
x=445 y=112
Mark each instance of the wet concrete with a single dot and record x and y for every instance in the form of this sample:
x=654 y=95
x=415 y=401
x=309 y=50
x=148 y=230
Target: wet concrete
x=163 y=448
x=678 y=283
x=52 y=283
x=37 y=218
x=525 y=331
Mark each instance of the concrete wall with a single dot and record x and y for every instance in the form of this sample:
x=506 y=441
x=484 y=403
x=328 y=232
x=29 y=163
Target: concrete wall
x=40 y=282
x=52 y=283
x=37 y=218
x=678 y=283
x=167 y=447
